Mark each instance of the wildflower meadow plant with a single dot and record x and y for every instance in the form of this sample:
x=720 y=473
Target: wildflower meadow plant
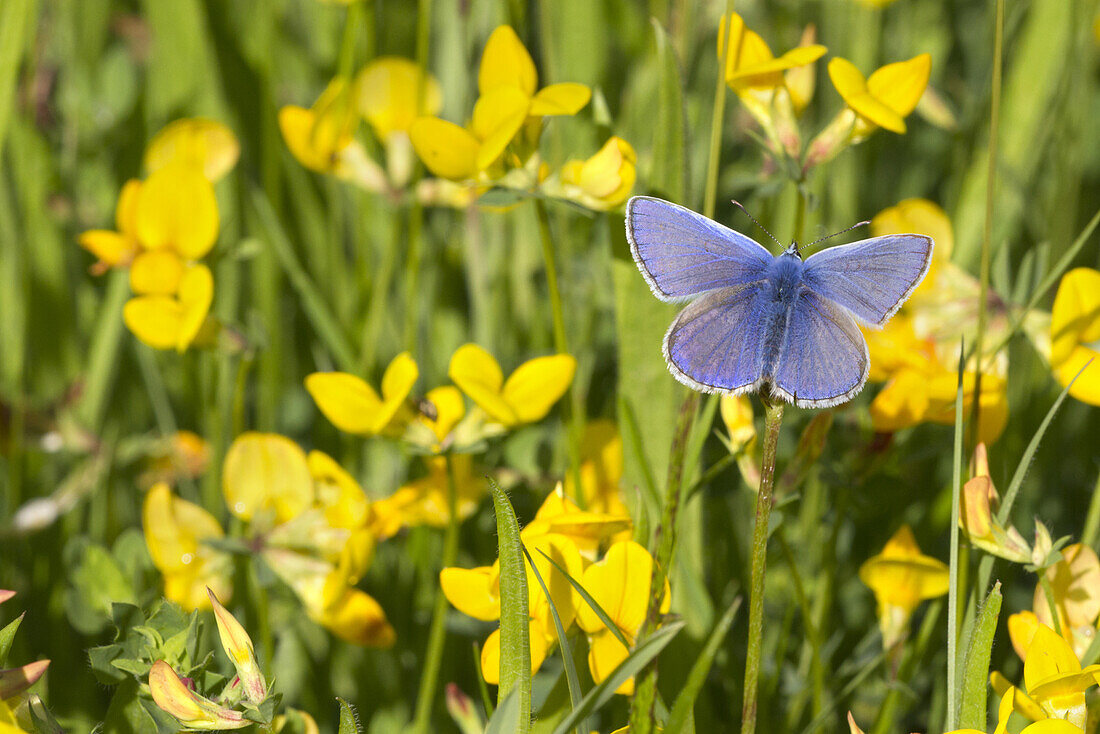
x=549 y=368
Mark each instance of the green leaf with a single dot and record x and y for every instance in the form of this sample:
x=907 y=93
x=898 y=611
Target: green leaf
x=515 y=645
x=16 y=22
x=95 y=581
x=685 y=701
x=669 y=172
x=506 y=718
x=646 y=650
x=975 y=674
x=7 y=635
x=571 y=679
x=349 y=718
x=604 y=616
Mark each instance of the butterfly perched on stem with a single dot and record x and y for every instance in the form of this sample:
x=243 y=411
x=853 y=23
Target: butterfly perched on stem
x=771 y=323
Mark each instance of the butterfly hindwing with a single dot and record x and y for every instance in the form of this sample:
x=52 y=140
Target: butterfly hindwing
x=873 y=277
x=682 y=254
x=823 y=360
x=715 y=343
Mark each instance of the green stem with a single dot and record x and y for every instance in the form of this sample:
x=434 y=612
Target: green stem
x=987 y=235
x=710 y=195
x=379 y=297
x=1048 y=592
x=412 y=275
x=773 y=419
x=953 y=584
x=103 y=353
x=645 y=691
x=437 y=633
x=1092 y=519
x=561 y=346
x=347 y=46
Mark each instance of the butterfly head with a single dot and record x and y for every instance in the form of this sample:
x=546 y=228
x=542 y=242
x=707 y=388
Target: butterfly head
x=792 y=251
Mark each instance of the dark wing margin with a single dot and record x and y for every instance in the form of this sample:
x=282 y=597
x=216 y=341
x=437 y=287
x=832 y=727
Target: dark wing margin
x=870 y=278
x=682 y=254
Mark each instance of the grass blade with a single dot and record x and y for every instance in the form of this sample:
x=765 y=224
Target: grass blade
x=313 y=303
x=975 y=682
x=604 y=617
x=515 y=645
x=571 y=679
x=646 y=651
x=953 y=588
x=505 y=719
x=682 y=707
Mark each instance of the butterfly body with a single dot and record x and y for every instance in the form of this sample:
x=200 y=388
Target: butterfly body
x=759 y=320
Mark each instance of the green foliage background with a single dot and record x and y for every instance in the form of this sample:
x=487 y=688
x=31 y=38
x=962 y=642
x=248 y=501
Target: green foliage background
x=84 y=84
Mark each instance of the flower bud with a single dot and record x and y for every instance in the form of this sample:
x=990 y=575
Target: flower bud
x=192 y=710
x=238 y=646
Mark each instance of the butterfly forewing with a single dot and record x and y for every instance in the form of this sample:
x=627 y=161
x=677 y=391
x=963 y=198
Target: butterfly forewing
x=823 y=359
x=682 y=254
x=715 y=343
x=871 y=278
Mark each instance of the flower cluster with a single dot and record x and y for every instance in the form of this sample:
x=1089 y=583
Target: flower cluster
x=563 y=539
x=166 y=225
x=306 y=517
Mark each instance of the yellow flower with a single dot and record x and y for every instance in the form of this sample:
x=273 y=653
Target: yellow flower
x=266 y=479
x=238 y=647
x=184 y=454
x=172 y=321
x=750 y=64
x=191 y=709
x=199 y=143
x=176 y=210
x=424 y=501
x=601 y=469
x=603 y=181
x=1054 y=678
x=901 y=577
x=353 y=406
x=508 y=98
x=449 y=408
x=175 y=531
x=586 y=529
x=919 y=216
x=801 y=80
x=1075 y=333
x=476 y=592
x=387 y=94
x=525 y=397
x=620 y=584
x=116 y=249
x=1075 y=582
x=979 y=524
x=886 y=97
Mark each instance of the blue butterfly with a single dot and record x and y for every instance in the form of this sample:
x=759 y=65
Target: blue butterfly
x=757 y=319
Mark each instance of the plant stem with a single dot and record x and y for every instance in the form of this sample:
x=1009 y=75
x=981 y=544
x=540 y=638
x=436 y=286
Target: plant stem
x=433 y=658
x=645 y=691
x=773 y=419
x=953 y=584
x=710 y=195
x=987 y=234
x=379 y=298
x=561 y=346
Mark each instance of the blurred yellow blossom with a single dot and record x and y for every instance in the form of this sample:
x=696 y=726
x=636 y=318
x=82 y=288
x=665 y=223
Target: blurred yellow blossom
x=901 y=577
x=603 y=181
x=1075 y=586
x=184 y=454
x=801 y=80
x=601 y=469
x=199 y=143
x=172 y=321
x=886 y=97
x=424 y=501
x=387 y=91
x=525 y=397
x=353 y=406
x=587 y=529
x=620 y=584
x=919 y=216
x=116 y=249
x=1075 y=333
x=737 y=415
x=508 y=98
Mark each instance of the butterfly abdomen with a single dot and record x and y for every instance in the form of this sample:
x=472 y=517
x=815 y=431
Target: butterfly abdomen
x=784 y=282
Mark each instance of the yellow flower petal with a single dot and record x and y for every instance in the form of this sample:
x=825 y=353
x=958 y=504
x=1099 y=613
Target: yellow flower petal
x=506 y=62
x=498 y=117
x=344 y=502
x=398 y=379
x=490 y=653
x=266 y=472
x=901 y=575
x=749 y=61
x=605 y=653
x=176 y=209
x=620 y=585
x=1022 y=627
x=1075 y=333
x=387 y=92
x=347 y=401
x=1049 y=657
x=478 y=374
x=296 y=124
x=156 y=273
x=899 y=86
x=449 y=406
x=126 y=208
x=196 y=293
x=449 y=151
x=191 y=709
x=356 y=617
x=566 y=98
x=564 y=553
x=111 y=248
x=155 y=320
x=197 y=142
x=473 y=591
x=537 y=384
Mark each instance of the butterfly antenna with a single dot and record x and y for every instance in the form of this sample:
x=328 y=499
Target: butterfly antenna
x=754 y=221
x=834 y=234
